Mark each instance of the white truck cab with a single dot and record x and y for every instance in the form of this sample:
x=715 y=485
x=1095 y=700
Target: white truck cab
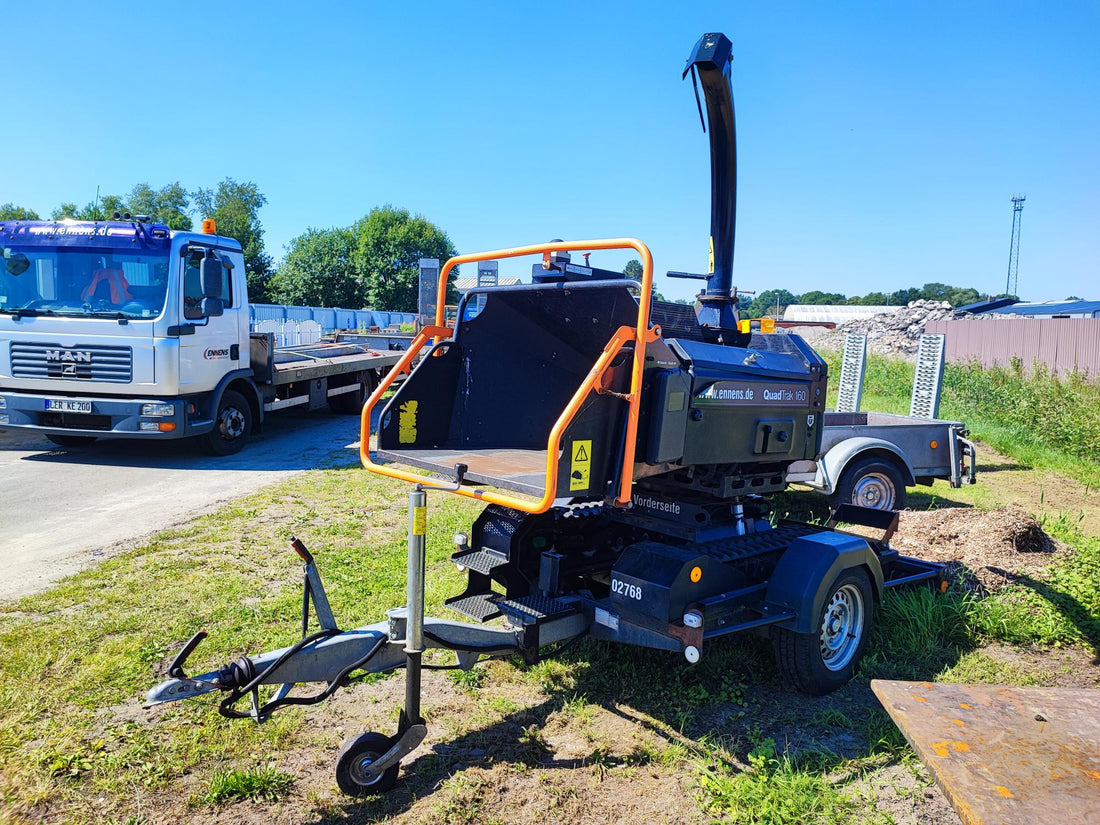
x=125 y=328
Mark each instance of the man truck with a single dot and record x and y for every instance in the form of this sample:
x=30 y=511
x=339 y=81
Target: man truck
x=126 y=329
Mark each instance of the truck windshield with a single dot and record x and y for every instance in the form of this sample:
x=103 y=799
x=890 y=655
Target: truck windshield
x=85 y=281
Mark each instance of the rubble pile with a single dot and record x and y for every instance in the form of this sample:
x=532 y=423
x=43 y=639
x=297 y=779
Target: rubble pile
x=892 y=333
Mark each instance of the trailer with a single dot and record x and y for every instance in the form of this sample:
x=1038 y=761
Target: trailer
x=869 y=458
x=623 y=450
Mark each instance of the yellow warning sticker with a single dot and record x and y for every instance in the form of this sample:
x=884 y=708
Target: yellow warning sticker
x=420 y=521
x=711 y=269
x=406 y=422
x=580 y=466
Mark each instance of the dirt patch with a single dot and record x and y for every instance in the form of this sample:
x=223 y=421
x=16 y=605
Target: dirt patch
x=989 y=549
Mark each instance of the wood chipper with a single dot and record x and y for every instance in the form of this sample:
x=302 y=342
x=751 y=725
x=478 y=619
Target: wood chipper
x=623 y=448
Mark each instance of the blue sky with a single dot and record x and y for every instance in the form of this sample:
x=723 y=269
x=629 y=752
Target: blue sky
x=879 y=143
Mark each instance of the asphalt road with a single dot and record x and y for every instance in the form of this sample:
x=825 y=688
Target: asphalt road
x=64 y=509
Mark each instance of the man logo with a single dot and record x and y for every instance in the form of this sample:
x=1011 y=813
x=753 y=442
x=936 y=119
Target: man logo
x=69 y=356
x=68 y=369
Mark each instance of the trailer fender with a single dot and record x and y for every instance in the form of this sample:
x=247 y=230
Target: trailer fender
x=832 y=464
x=807 y=569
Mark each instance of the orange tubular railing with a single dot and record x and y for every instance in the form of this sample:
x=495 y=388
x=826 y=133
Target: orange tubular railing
x=641 y=335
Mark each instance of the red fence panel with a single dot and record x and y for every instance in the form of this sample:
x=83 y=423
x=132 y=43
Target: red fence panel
x=1061 y=344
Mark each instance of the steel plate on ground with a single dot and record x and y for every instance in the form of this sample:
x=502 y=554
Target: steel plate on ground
x=1004 y=754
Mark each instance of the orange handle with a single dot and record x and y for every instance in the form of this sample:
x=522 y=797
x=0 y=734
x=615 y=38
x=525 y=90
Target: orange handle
x=641 y=335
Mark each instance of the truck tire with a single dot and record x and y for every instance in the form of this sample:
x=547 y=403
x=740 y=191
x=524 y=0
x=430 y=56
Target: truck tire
x=232 y=425
x=872 y=482
x=72 y=440
x=826 y=659
x=351 y=403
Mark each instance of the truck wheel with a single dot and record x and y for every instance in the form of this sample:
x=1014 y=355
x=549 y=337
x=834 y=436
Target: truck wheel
x=72 y=440
x=351 y=403
x=872 y=482
x=232 y=425
x=826 y=659
x=355 y=756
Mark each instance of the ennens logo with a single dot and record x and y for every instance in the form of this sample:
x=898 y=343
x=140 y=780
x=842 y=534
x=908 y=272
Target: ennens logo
x=211 y=354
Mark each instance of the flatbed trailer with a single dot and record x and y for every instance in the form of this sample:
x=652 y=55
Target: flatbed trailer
x=869 y=458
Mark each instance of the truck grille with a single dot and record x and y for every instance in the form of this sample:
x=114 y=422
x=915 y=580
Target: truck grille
x=83 y=362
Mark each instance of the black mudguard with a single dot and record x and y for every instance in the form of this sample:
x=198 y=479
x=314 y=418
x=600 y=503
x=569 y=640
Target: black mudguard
x=812 y=563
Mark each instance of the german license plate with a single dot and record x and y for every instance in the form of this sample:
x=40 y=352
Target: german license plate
x=69 y=406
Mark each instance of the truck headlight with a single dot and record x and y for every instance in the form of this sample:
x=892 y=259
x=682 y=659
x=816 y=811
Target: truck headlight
x=158 y=410
x=3 y=403
x=4 y=418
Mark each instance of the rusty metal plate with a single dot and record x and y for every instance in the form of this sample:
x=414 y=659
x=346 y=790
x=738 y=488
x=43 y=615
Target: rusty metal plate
x=1004 y=755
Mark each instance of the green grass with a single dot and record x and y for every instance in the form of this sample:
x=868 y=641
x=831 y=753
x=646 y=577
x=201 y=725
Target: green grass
x=78 y=657
x=262 y=784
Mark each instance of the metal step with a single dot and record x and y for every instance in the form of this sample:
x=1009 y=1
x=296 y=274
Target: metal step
x=533 y=609
x=479 y=560
x=479 y=606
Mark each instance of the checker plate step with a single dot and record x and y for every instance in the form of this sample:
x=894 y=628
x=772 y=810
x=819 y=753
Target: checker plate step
x=536 y=608
x=480 y=561
x=479 y=606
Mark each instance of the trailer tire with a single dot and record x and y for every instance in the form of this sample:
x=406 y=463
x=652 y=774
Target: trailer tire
x=232 y=425
x=72 y=440
x=356 y=754
x=351 y=403
x=872 y=482
x=826 y=659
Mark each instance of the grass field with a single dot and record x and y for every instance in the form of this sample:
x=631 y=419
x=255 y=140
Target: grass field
x=602 y=734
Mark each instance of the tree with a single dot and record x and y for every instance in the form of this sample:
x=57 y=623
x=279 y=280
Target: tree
x=167 y=205
x=389 y=245
x=234 y=208
x=633 y=269
x=319 y=270
x=818 y=298
x=904 y=296
x=10 y=212
x=764 y=305
x=873 y=299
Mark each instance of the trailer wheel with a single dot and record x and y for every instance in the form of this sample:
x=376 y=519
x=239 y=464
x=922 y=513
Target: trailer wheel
x=872 y=482
x=351 y=403
x=826 y=659
x=356 y=755
x=72 y=440
x=232 y=425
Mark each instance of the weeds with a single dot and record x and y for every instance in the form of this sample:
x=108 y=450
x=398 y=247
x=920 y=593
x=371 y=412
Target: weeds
x=264 y=784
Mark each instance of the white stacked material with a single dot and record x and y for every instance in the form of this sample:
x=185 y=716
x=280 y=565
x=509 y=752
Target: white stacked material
x=833 y=313
x=894 y=333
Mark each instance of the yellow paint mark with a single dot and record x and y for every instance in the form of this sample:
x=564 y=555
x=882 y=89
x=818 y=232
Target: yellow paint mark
x=406 y=422
x=420 y=521
x=958 y=722
x=965 y=706
x=1005 y=792
x=920 y=698
x=1095 y=775
x=943 y=749
x=580 y=470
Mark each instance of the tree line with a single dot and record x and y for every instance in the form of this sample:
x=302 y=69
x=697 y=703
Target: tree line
x=371 y=263
x=374 y=261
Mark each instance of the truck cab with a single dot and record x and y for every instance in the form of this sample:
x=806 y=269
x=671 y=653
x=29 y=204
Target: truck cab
x=120 y=328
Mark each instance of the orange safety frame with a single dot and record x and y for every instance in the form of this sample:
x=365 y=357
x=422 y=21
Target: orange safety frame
x=641 y=335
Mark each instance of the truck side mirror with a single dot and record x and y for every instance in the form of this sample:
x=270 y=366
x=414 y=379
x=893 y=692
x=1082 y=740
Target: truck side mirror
x=212 y=307
x=210 y=277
